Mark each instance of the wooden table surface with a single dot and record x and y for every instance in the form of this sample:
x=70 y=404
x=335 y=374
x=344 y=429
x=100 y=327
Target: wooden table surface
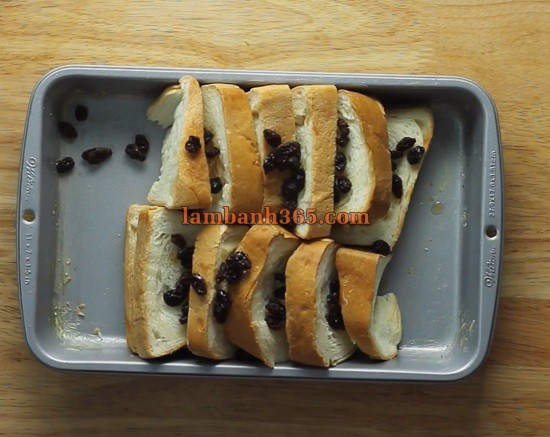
x=504 y=45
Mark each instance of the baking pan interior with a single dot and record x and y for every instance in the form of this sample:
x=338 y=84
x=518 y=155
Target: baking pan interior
x=435 y=270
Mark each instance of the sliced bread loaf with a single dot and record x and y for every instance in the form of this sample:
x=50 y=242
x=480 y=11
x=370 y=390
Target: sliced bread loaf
x=315 y=331
x=236 y=166
x=373 y=322
x=183 y=179
x=252 y=323
x=315 y=114
x=365 y=155
x=206 y=337
x=405 y=127
x=274 y=124
x=158 y=327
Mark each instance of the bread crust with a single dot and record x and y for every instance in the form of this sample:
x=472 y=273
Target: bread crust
x=322 y=115
x=207 y=257
x=357 y=275
x=272 y=109
x=373 y=126
x=239 y=326
x=301 y=285
x=246 y=194
x=130 y=239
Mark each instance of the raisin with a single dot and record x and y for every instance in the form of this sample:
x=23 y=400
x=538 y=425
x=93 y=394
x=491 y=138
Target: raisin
x=343 y=184
x=291 y=205
x=178 y=240
x=216 y=185
x=334 y=286
x=232 y=276
x=193 y=144
x=276 y=309
x=337 y=195
x=239 y=261
x=342 y=125
x=405 y=144
x=270 y=163
x=289 y=189
x=341 y=140
x=396 y=154
x=97 y=155
x=280 y=276
x=172 y=298
x=381 y=247
x=186 y=256
x=393 y=166
x=280 y=292
x=335 y=320
x=291 y=163
x=184 y=313
x=272 y=138
x=222 y=272
x=183 y=287
x=67 y=130
x=415 y=155
x=288 y=149
x=198 y=284
x=212 y=152
x=274 y=323
x=300 y=178
x=208 y=137
x=397 y=186
x=64 y=165
x=222 y=303
x=340 y=162
x=142 y=143
x=132 y=150
x=81 y=113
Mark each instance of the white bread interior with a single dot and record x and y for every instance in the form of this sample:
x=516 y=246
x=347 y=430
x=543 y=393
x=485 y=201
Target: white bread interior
x=158 y=331
x=162 y=110
x=416 y=123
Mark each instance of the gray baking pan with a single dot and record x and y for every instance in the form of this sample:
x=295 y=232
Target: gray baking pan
x=70 y=228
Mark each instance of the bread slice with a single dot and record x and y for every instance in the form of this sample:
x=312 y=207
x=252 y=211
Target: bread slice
x=268 y=248
x=367 y=155
x=315 y=114
x=415 y=123
x=206 y=337
x=272 y=109
x=130 y=239
x=312 y=340
x=373 y=322
x=162 y=110
x=227 y=115
x=183 y=179
x=156 y=325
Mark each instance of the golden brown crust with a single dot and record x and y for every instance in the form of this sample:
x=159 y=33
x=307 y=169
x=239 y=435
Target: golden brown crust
x=193 y=183
x=207 y=255
x=245 y=172
x=322 y=114
x=272 y=109
x=373 y=126
x=204 y=258
x=132 y=219
x=300 y=300
x=357 y=275
x=238 y=326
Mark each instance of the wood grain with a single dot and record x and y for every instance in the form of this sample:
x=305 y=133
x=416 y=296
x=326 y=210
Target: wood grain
x=504 y=45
